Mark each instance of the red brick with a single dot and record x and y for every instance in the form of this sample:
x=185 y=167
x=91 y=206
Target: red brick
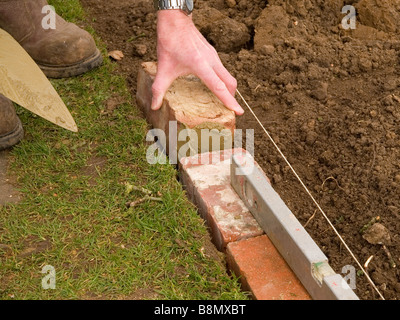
x=263 y=271
x=188 y=101
x=207 y=183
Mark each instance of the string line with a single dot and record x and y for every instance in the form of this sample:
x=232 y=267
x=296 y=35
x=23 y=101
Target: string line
x=312 y=197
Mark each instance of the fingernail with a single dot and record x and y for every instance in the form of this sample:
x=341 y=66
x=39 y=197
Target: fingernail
x=239 y=111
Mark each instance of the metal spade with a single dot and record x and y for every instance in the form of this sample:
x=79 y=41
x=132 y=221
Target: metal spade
x=22 y=81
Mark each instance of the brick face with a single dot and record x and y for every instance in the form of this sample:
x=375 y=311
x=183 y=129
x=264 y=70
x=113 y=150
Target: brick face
x=192 y=106
x=263 y=271
x=208 y=187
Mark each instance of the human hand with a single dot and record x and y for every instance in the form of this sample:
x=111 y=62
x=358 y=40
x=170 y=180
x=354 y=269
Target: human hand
x=182 y=50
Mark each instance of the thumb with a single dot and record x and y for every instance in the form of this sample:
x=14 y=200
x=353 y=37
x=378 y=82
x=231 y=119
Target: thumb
x=161 y=84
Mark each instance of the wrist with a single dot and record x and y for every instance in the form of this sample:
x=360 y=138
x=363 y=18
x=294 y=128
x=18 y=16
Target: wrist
x=171 y=23
x=173 y=17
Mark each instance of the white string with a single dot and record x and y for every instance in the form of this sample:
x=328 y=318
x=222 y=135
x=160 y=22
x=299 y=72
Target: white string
x=312 y=197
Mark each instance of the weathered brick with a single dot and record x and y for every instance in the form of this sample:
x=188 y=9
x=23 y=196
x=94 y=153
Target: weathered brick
x=206 y=178
x=189 y=103
x=263 y=271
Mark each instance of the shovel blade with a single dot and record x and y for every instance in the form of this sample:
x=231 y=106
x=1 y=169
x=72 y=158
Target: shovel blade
x=22 y=81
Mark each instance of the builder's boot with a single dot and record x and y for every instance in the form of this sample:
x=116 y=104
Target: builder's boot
x=61 y=49
x=11 y=131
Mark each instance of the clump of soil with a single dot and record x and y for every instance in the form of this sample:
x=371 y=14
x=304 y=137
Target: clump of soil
x=377 y=234
x=330 y=98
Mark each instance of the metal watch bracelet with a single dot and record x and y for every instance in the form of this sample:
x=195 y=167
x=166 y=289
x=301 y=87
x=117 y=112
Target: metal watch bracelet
x=184 y=5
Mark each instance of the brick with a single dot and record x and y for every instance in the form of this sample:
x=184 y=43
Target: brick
x=206 y=178
x=263 y=271
x=192 y=105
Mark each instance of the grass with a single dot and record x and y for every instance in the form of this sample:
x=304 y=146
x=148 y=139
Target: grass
x=73 y=214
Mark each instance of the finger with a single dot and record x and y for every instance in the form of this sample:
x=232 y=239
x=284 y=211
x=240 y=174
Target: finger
x=207 y=44
x=215 y=84
x=226 y=77
x=219 y=68
x=161 y=84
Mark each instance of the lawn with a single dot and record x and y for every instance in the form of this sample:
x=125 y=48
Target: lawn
x=73 y=214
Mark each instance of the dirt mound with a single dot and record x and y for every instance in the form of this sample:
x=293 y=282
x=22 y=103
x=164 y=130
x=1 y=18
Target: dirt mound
x=329 y=96
x=224 y=33
x=383 y=15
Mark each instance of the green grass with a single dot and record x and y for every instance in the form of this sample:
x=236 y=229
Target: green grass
x=73 y=214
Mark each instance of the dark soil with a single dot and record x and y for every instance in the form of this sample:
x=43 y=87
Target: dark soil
x=8 y=193
x=330 y=97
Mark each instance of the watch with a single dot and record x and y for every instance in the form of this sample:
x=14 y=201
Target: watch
x=185 y=5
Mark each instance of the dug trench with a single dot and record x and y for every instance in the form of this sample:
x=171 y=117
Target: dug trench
x=329 y=96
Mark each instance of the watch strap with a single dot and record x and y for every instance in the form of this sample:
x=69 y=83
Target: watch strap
x=169 y=4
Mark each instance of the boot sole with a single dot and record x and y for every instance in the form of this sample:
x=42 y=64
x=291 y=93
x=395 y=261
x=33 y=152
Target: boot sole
x=58 y=72
x=12 y=138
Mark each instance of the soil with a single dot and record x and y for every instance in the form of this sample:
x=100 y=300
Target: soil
x=8 y=192
x=330 y=98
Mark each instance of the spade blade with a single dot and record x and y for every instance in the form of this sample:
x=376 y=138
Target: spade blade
x=22 y=81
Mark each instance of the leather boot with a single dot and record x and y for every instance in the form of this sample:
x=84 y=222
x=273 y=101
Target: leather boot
x=62 y=52
x=11 y=131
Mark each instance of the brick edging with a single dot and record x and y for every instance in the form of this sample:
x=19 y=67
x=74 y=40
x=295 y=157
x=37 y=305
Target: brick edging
x=234 y=230
x=249 y=252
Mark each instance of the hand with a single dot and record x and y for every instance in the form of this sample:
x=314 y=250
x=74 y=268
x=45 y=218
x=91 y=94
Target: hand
x=182 y=50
